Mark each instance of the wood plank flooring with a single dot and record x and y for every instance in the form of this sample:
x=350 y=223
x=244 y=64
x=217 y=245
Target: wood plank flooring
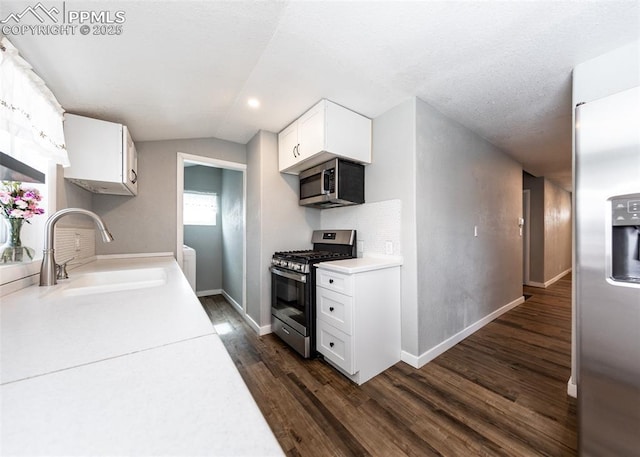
x=500 y=392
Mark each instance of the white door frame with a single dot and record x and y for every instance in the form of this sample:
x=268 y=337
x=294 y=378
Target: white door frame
x=526 y=238
x=210 y=162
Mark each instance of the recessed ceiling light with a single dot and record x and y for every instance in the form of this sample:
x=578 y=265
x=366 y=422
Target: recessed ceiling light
x=253 y=103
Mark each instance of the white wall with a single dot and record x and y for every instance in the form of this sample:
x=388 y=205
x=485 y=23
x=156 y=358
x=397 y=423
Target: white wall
x=375 y=223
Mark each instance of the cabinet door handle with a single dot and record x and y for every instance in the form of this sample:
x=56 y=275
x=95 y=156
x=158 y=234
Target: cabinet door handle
x=331 y=281
x=135 y=176
x=331 y=308
x=331 y=344
x=294 y=151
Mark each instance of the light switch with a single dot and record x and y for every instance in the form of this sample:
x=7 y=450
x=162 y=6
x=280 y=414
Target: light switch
x=475 y=230
x=388 y=247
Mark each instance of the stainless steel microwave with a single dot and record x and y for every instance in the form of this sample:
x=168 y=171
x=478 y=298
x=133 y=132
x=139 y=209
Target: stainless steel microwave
x=334 y=183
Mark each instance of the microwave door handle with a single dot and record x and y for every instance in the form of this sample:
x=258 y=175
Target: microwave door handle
x=324 y=180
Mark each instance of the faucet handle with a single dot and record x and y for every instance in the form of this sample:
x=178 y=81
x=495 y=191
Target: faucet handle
x=61 y=269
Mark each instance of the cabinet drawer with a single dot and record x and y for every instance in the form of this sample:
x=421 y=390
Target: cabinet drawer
x=335 y=281
x=335 y=309
x=336 y=346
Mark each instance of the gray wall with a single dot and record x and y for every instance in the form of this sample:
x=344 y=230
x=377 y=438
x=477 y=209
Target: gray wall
x=147 y=222
x=69 y=195
x=391 y=176
x=448 y=179
x=536 y=226
x=232 y=222
x=463 y=181
x=205 y=239
x=557 y=230
x=275 y=221
x=254 y=229
x=550 y=229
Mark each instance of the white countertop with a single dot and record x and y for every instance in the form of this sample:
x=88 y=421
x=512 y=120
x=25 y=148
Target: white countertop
x=44 y=330
x=134 y=372
x=360 y=265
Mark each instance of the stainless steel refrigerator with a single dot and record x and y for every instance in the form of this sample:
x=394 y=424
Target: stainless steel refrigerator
x=607 y=195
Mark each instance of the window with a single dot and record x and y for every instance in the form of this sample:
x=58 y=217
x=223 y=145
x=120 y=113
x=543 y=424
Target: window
x=199 y=208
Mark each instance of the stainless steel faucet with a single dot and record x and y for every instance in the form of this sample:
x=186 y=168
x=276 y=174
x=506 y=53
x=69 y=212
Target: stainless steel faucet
x=49 y=267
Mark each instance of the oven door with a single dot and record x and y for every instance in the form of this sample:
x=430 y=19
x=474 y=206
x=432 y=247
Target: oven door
x=291 y=299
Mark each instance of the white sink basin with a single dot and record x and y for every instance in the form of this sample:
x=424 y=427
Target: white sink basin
x=116 y=280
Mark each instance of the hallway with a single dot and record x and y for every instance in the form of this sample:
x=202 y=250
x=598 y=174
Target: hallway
x=500 y=392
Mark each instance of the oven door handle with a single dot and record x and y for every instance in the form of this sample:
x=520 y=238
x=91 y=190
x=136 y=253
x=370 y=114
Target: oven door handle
x=288 y=274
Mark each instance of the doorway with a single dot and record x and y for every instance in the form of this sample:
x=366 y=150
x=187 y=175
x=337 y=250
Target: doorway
x=210 y=211
x=526 y=233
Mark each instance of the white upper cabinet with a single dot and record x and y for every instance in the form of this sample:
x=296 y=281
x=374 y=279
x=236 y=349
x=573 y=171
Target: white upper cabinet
x=325 y=131
x=102 y=155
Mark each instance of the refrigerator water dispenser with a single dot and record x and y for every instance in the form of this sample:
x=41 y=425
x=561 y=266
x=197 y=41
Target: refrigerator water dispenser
x=625 y=238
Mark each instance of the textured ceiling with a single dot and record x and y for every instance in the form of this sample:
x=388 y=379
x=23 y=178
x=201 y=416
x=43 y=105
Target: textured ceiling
x=186 y=69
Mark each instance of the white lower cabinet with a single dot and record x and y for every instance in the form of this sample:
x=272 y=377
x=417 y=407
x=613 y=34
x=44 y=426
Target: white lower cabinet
x=358 y=319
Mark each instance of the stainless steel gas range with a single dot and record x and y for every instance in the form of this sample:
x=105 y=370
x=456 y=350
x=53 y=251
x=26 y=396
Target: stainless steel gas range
x=293 y=279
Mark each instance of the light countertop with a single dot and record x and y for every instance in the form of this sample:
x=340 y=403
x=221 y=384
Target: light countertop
x=360 y=265
x=43 y=329
x=132 y=372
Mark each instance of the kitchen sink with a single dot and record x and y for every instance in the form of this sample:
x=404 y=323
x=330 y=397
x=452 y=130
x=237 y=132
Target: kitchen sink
x=115 y=280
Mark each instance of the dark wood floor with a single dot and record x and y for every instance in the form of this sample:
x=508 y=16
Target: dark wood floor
x=502 y=391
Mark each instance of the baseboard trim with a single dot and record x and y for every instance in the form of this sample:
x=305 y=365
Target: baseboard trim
x=260 y=330
x=428 y=356
x=206 y=293
x=234 y=303
x=544 y=285
x=572 y=388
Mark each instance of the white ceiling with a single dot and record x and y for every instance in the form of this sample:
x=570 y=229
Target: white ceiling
x=186 y=69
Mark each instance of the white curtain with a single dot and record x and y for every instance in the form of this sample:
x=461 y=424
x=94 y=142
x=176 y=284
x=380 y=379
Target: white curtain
x=30 y=116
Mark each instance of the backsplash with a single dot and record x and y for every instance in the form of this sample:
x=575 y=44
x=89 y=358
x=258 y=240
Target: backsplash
x=376 y=223
x=79 y=243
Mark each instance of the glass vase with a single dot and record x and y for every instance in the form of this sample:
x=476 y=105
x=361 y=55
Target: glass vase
x=12 y=251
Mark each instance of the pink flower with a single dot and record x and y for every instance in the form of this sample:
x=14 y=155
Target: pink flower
x=19 y=203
